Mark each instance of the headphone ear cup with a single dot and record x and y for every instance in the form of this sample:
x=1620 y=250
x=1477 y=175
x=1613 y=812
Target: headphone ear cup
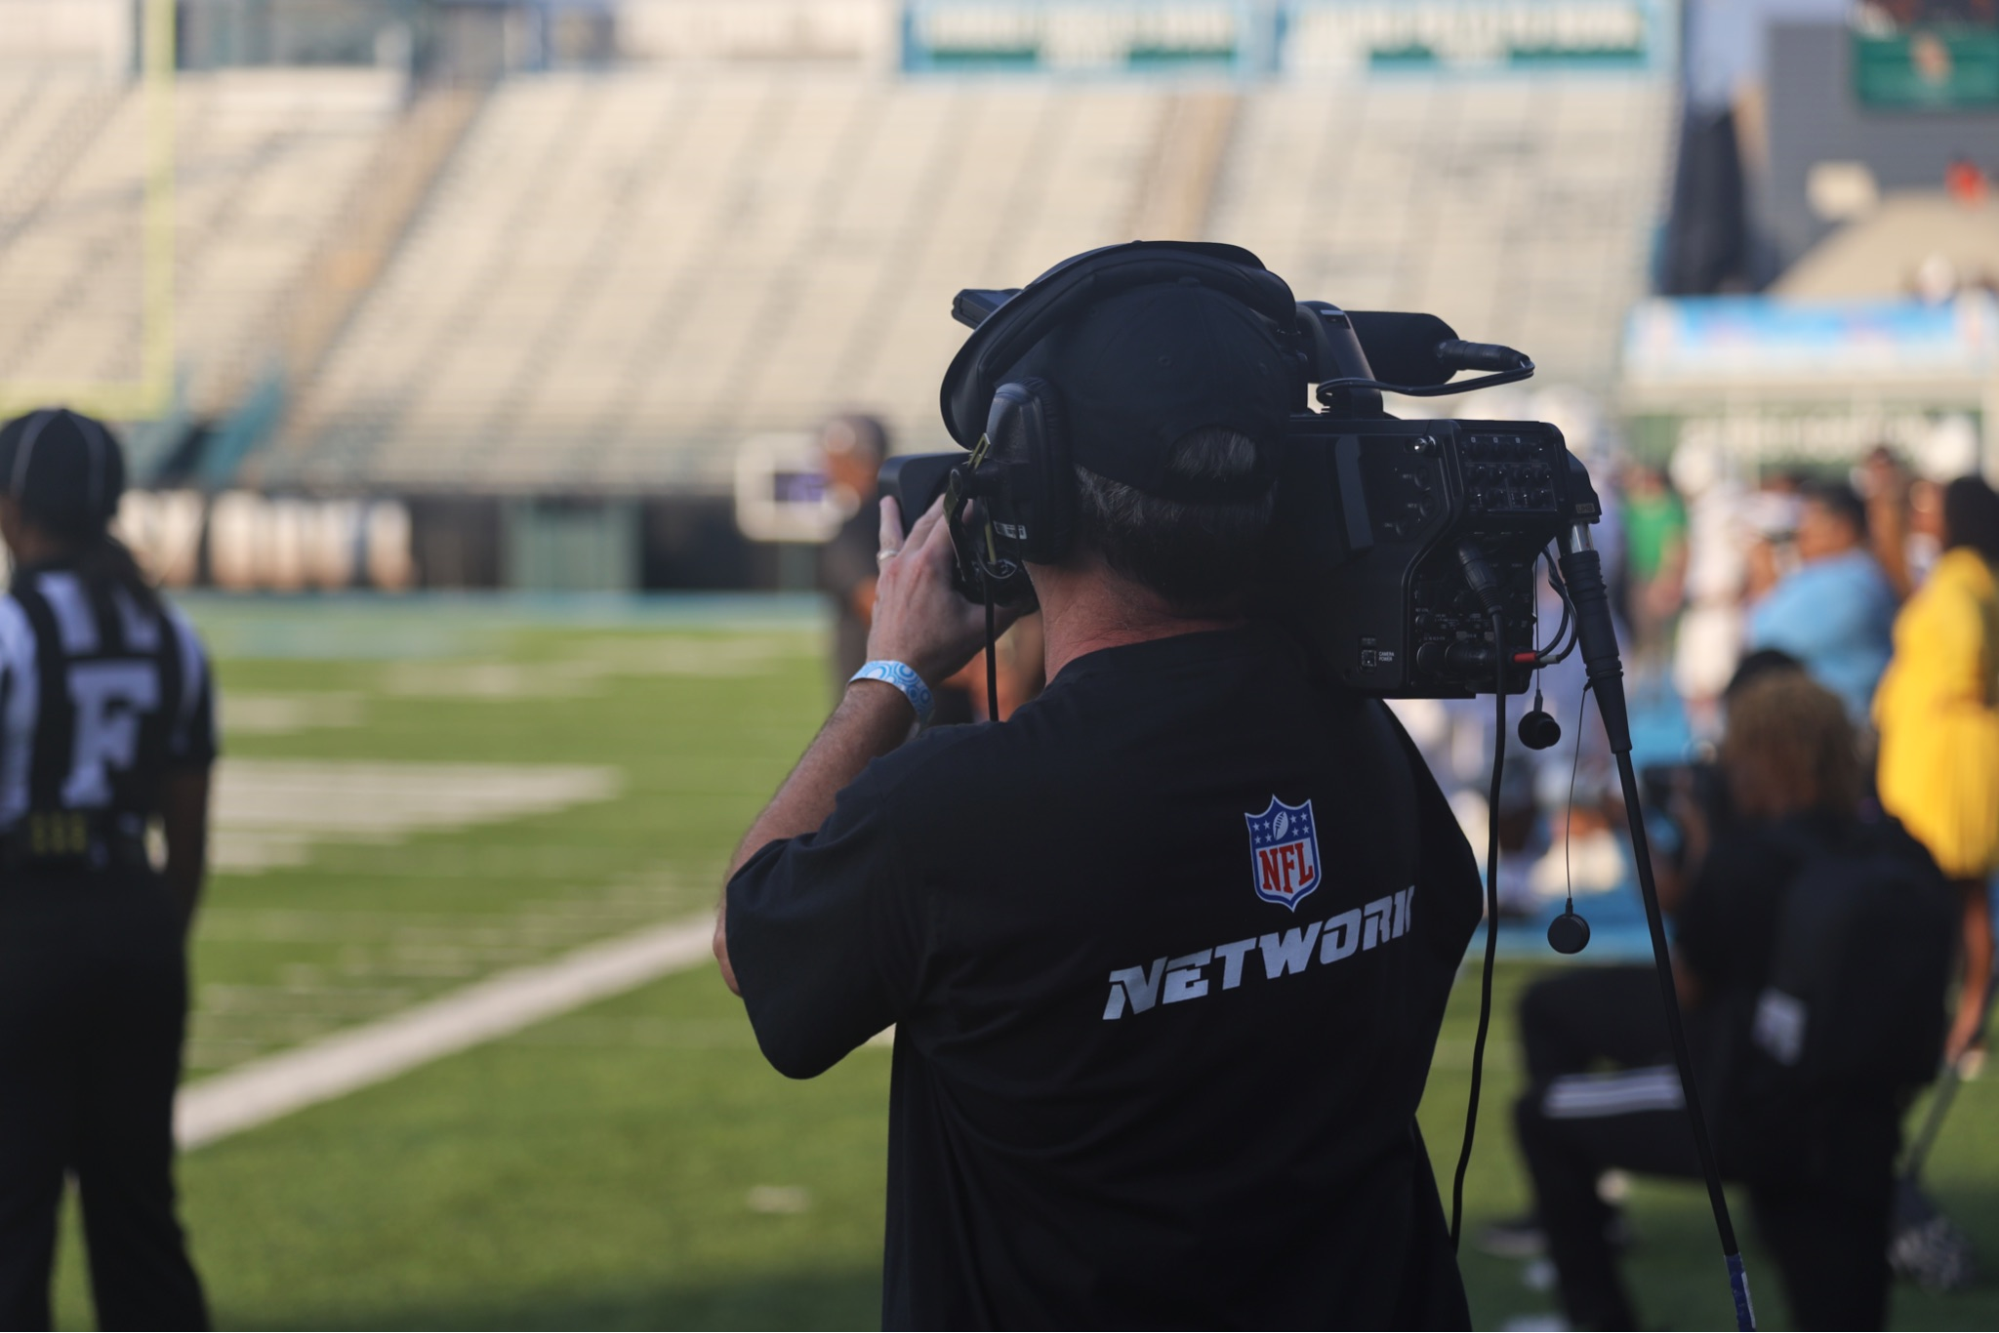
x=1028 y=438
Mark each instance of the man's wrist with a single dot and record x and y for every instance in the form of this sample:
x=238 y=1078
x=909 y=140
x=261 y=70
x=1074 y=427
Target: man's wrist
x=903 y=678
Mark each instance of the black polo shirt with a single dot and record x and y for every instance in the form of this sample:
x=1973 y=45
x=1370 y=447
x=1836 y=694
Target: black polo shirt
x=1167 y=953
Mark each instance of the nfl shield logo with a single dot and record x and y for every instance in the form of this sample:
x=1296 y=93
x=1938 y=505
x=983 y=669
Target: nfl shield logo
x=1284 y=852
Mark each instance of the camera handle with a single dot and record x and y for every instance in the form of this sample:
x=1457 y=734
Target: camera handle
x=1582 y=569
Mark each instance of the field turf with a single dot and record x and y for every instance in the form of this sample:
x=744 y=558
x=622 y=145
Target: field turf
x=634 y=1164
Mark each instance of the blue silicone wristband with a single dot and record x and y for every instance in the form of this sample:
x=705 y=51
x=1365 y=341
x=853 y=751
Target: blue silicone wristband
x=904 y=678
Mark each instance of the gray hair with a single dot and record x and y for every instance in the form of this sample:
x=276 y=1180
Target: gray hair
x=1198 y=557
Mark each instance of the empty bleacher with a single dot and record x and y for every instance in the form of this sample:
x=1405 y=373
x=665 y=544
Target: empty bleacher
x=267 y=161
x=1521 y=211
x=619 y=276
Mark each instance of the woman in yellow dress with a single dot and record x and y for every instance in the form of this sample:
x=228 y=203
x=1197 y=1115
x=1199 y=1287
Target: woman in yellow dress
x=1937 y=711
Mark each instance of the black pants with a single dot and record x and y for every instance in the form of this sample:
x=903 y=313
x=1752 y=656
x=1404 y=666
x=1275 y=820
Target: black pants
x=93 y=1009
x=1829 y=1237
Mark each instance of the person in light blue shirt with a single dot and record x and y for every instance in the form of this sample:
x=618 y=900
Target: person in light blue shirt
x=1836 y=611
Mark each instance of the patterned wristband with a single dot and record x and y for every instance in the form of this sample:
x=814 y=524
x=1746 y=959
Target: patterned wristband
x=904 y=678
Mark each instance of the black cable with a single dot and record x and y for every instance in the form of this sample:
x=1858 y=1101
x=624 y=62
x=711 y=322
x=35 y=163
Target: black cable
x=1546 y=655
x=1491 y=925
x=1429 y=390
x=992 y=656
x=1569 y=814
x=1558 y=650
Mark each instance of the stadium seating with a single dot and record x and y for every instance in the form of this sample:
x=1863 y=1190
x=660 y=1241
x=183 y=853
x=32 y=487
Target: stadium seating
x=1520 y=211
x=617 y=276
x=621 y=275
x=268 y=160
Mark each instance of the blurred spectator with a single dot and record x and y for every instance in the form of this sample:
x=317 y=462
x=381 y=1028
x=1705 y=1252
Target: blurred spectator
x=1936 y=279
x=1655 y=544
x=1710 y=637
x=853 y=447
x=1965 y=181
x=1938 y=715
x=1885 y=485
x=1771 y=514
x=1925 y=520
x=1604 y=1095
x=1835 y=612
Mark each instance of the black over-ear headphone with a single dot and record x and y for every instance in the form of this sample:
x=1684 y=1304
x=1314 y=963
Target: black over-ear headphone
x=1035 y=507
x=1020 y=471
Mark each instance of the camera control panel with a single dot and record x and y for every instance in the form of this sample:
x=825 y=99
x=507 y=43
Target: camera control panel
x=1379 y=516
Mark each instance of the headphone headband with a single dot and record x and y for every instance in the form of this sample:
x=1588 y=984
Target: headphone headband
x=1078 y=283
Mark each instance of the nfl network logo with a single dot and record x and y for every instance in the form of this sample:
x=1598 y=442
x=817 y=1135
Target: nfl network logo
x=1284 y=852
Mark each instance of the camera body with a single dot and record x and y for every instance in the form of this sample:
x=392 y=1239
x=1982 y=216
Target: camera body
x=1372 y=514
x=1405 y=550
x=1375 y=520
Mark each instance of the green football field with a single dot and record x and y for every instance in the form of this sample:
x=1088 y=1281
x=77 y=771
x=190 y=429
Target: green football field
x=419 y=794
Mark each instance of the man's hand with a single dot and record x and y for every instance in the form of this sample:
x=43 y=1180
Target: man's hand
x=920 y=619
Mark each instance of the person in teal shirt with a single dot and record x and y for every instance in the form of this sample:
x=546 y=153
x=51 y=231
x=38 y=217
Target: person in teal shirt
x=1836 y=611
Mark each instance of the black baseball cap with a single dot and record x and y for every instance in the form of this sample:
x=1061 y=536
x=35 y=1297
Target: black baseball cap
x=1138 y=371
x=64 y=468
x=1142 y=342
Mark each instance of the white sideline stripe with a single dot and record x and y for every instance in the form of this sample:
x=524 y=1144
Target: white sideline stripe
x=346 y=1061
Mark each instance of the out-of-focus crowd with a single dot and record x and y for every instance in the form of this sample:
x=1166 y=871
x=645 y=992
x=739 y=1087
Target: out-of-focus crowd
x=1816 y=656
x=1879 y=583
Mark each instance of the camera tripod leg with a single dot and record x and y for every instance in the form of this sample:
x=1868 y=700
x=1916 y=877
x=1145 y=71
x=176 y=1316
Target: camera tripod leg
x=1583 y=570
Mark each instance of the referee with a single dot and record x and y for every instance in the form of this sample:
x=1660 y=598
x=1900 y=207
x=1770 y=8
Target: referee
x=106 y=724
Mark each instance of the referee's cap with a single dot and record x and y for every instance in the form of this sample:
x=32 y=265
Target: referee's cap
x=64 y=468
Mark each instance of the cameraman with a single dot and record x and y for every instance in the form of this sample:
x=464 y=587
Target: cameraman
x=1167 y=950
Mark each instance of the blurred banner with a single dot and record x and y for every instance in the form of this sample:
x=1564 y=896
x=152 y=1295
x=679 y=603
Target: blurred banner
x=1299 y=36
x=1328 y=35
x=1756 y=378
x=1753 y=338
x=1108 y=36
x=1926 y=55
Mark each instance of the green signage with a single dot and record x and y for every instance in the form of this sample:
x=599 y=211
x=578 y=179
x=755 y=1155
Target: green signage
x=1940 y=68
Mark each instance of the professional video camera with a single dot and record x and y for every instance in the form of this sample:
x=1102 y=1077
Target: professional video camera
x=1406 y=548
x=1397 y=539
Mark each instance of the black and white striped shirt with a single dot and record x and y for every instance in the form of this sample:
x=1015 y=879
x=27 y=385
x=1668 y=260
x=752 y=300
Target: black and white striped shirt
x=101 y=696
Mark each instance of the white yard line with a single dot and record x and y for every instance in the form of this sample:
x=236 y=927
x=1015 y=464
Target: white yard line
x=346 y=1061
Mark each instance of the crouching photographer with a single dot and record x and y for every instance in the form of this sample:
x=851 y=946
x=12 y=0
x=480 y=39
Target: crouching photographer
x=1166 y=952
x=1814 y=945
